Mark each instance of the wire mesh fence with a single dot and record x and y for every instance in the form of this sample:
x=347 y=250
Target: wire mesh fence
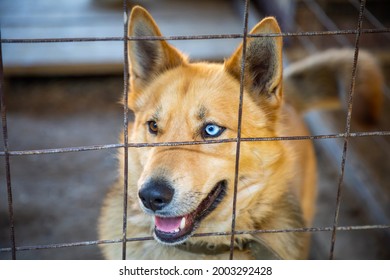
x=346 y=136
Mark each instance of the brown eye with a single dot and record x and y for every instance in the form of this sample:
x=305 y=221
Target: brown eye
x=153 y=128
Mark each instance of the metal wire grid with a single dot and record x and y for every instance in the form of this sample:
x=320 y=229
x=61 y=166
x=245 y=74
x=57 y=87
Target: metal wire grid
x=126 y=145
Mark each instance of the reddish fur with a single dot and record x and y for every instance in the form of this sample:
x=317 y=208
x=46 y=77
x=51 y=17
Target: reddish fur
x=277 y=179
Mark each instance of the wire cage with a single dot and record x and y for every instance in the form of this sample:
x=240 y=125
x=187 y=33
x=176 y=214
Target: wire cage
x=300 y=29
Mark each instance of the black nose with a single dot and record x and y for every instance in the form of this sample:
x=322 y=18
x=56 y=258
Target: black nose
x=156 y=194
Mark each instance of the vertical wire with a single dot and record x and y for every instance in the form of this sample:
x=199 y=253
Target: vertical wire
x=125 y=126
x=370 y=17
x=238 y=146
x=347 y=129
x=6 y=154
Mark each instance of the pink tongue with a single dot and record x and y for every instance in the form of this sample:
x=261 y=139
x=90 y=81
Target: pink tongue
x=167 y=224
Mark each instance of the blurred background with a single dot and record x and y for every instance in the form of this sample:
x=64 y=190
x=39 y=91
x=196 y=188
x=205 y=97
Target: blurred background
x=66 y=94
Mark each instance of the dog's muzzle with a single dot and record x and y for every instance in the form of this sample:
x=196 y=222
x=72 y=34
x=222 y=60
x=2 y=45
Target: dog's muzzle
x=172 y=230
x=156 y=194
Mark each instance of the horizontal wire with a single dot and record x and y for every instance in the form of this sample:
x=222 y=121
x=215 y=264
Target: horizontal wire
x=63 y=150
x=191 y=37
x=191 y=143
x=146 y=238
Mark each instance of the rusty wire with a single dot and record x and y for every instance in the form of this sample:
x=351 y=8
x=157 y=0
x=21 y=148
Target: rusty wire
x=239 y=124
x=6 y=157
x=347 y=128
x=370 y=17
x=190 y=37
x=148 y=238
x=346 y=135
x=14 y=153
x=126 y=77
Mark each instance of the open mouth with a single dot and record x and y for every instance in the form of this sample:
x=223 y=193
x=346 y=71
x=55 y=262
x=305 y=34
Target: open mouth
x=175 y=230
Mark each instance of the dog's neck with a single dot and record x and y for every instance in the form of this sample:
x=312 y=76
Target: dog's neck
x=255 y=245
x=258 y=249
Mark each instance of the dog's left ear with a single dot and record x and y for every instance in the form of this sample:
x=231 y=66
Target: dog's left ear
x=263 y=63
x=148 y=58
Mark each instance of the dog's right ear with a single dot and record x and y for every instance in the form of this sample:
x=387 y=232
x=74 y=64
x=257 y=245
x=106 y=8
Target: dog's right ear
x=148 y=58
x=263 y=63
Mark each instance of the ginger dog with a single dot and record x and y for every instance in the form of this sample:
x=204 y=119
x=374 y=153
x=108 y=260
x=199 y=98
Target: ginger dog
x=176 y=192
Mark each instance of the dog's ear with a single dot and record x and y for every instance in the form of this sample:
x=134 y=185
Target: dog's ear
x=148 y=58
x=263 y=62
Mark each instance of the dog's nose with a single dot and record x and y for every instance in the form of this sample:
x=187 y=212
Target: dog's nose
x=156 y=194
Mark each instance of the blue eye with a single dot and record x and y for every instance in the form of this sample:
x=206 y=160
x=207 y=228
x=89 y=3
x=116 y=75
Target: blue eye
x=212 y=130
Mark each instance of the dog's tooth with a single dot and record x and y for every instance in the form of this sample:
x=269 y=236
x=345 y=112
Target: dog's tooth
x=183 y=223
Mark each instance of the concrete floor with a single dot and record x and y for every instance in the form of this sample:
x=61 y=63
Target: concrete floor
x=57 y=197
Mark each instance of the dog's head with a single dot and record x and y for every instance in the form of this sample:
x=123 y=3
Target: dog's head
x=189 y=187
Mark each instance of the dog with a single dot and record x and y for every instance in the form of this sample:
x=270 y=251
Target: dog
x=179 y=193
